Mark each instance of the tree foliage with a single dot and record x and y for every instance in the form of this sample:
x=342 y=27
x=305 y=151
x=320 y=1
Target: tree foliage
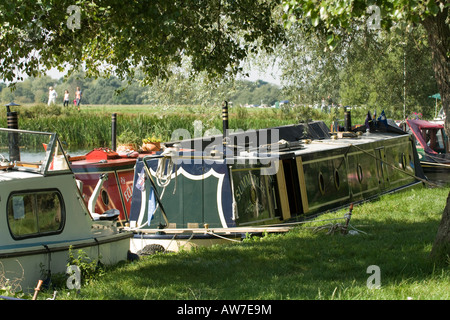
x=117 y=37
x=374 y=70
x=336 y=18
x=392 y=71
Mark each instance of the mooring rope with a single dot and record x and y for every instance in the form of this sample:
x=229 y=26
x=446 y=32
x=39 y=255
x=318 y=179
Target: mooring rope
x=438 y=160
x=396 y=168
x=222 y=237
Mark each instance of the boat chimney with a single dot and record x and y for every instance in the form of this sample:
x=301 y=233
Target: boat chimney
x=225 y=123
x=114 y=132
x=13 y=123
x=347 y=120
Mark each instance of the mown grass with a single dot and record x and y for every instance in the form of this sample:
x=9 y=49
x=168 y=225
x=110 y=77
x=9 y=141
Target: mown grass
x=399 y=231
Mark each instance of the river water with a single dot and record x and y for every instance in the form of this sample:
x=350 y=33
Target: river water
x=30 y=156
x=439 y=178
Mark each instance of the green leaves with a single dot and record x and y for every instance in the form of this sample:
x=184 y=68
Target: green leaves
x=432 y=8
x=315 y=19
x=335 y=14
x=155 y=35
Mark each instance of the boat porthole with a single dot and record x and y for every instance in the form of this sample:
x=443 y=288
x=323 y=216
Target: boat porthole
x=105 y=197
x=403 y=161
x=359 y=171
x=337 y=182
x=321 y=184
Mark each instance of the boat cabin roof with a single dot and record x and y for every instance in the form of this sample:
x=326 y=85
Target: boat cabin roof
x=323 y=145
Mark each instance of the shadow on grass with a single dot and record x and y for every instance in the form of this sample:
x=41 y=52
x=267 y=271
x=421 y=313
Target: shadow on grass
x=298 y=265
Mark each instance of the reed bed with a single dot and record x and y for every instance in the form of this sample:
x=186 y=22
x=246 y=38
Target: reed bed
x=91 y=127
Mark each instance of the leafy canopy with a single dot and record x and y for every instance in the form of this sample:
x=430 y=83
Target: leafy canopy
x=336 y=17
x=116 y=37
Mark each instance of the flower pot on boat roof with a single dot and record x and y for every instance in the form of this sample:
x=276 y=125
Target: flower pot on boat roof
x=151 y=144
x=127 y=147
x=127 y=140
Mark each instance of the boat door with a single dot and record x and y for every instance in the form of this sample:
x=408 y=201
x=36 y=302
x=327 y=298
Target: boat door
x=382 y=173
x=255 y=193
x=293 y=185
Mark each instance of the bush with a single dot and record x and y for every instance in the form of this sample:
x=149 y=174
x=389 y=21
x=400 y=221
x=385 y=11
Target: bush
x=90 y=269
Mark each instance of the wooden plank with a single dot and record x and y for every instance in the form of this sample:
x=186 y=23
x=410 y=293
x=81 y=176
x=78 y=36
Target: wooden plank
x=217 y=230
x=284 y=201
x=301 y=180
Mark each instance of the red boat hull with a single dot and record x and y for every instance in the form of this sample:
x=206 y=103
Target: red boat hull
x=116 y=190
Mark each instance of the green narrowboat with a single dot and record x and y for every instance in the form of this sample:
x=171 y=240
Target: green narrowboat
x=225 y=186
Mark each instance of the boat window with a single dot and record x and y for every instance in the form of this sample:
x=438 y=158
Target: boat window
x=321 y=183
x=359 y=171
x=105 y=197
x=440 y=148
x=254 y=193
x=404 y=164
x=39 y=152
x=34 y=214
x=337 y=182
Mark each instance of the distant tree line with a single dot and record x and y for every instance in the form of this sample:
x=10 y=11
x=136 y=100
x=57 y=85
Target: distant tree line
x=110 y=91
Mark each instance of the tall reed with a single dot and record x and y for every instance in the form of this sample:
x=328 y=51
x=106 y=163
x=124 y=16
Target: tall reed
x=92 y=127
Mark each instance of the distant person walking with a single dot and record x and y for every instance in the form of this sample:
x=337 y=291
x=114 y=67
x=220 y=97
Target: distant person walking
x=66 y=98
x=52 y=95
x=78 y=96
x=323 y=107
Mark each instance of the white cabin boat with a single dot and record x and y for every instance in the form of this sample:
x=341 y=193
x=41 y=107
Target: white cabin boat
x=43 y=215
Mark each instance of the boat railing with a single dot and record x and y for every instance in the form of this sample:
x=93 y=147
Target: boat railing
x=32 y=151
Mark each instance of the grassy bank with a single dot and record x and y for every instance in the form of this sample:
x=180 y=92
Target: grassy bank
x=398 y=234
x=91 y=126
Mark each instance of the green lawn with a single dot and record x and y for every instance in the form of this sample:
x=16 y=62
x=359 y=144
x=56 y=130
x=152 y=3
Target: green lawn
x=397 y=235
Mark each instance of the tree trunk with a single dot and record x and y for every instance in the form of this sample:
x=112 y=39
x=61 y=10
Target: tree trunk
x=439 y=41
x=441 y=246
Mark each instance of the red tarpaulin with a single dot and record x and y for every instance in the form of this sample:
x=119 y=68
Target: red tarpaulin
x=417 y=126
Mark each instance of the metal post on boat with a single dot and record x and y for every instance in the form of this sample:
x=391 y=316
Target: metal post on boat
x=225 y=123
x=114 y=132
x=13 y=123
x=347 y=120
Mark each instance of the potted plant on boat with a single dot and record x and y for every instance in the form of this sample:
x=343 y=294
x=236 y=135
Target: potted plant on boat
x=127 y=140
x=151 y=144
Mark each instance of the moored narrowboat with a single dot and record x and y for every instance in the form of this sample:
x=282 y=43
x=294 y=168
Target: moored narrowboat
x=431 y=142
x=260 y=179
